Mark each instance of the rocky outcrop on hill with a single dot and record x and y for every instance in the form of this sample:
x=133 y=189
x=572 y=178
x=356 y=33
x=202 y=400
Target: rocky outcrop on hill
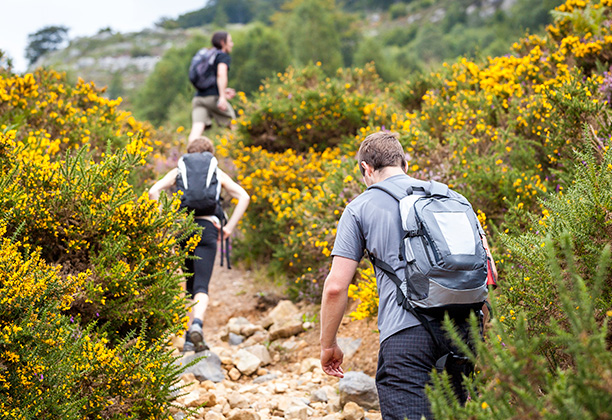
x=245 y=379
x=120 y=61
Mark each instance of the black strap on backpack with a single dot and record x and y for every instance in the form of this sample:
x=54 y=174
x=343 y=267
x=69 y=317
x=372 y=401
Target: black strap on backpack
x=404 y=303
x=225 y=243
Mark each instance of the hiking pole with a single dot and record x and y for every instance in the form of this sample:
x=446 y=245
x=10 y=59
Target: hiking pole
x=221 y=233
x=227 y=252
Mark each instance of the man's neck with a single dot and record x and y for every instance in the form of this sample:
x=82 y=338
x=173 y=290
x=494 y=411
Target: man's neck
x=387 y=172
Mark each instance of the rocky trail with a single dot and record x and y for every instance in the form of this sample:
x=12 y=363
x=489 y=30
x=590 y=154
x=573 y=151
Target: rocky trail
x=263 y=361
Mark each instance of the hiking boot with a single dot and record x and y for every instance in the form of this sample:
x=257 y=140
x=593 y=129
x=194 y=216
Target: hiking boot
x=202 y=346
x=188 y=346
x=195 y=334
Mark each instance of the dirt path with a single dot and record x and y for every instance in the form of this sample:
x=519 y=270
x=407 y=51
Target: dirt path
x=234 y=293
x=298 y=388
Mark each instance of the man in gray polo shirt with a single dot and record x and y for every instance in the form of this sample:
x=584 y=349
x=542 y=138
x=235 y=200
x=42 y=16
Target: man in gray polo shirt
x=407 y=352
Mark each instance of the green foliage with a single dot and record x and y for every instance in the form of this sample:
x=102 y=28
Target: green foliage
x=121 y=238
x=259 y=52
x=514 y=378
x=304 y=109
x=53 y=367
x=47 y=39
x=583 y=213
x=169 y=82
x=312 y=34
x=90 y=279
x=222 y=12
x=398 y=10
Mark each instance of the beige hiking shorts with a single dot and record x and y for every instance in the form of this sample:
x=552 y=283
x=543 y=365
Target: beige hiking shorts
x=204 y=109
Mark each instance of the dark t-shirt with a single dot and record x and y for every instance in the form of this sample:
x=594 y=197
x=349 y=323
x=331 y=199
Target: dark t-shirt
x=222 y=57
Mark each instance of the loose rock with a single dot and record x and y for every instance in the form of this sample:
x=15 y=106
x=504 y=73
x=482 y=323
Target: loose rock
x=247 y=363
x=261 y=352
x=209 y=368
x=359 y=388
x=352 y=411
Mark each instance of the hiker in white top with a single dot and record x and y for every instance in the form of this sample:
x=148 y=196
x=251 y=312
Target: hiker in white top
x=212 y=232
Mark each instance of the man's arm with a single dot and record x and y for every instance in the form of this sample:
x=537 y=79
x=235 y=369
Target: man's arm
x=222 y=86
x=333 y=305
x=486 y=247
x=163 y=184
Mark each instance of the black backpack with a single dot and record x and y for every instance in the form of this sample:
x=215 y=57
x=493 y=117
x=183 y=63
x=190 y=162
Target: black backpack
x=198 y=182
x=201 y=70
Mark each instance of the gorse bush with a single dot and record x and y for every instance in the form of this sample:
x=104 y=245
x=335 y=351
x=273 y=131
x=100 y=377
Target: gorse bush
x=90 y=268
x=305 y=109
x=62 y=116
x=52 y=367
x=85 y=216
x=583 y=213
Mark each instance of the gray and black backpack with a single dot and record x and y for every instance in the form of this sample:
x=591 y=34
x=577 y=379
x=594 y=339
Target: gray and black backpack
x=197 y=180
x=446 y=263
x=201 y=70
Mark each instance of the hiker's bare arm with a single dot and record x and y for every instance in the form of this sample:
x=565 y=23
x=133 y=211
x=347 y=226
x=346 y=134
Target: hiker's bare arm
x=237 y=192
x=333 y=305
x=485 y=307
x=222 y=86
x=163 y=184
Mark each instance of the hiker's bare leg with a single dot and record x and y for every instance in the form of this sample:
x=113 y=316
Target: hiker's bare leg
x=199 y=309
x=197 y=128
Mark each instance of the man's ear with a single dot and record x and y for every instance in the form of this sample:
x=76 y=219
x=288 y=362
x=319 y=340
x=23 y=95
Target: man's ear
x=365 y=166
x=405 y=166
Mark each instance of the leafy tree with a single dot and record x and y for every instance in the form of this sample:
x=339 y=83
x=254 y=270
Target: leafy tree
x=258 y=53
x=167 y=83
x=371 y=50
x=47 y=39
x=312 y=33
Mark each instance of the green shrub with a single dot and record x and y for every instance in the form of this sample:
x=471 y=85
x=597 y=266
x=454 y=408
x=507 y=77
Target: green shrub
x=583 y=212
x=52 y=367
x=515 y=379
x=303 y=109
x=398 y=10
x=89 y=281
x=86 y=216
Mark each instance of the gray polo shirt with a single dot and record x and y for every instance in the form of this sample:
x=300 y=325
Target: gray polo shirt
x=372 y=221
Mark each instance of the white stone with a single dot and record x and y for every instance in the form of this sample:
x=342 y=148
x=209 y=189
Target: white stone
x=352 y=411
x=261 y=352
x=296 y=412
x=246 y=362
x=309 y=364
x=213 y=415
x=280 y=388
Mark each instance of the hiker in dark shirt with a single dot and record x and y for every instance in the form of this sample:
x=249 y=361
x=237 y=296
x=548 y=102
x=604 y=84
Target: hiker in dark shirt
x=213 y=102
x=206 y=250
x=408 y=352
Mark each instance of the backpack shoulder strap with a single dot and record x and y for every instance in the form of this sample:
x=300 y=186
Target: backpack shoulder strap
x=390 y=188
x=438 y=188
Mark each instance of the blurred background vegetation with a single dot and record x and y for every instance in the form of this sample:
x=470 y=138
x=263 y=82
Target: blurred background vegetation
x=402 y=38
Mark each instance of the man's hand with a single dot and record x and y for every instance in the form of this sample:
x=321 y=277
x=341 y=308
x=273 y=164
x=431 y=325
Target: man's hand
x=230 y=93
x=331 y=359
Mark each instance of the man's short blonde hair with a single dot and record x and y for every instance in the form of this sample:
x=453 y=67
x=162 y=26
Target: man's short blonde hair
x=381 y=149
x=200 y=145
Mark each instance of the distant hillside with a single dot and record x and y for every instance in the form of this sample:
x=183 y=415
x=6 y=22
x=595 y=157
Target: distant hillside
x=402 y=38
x=119 y=61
